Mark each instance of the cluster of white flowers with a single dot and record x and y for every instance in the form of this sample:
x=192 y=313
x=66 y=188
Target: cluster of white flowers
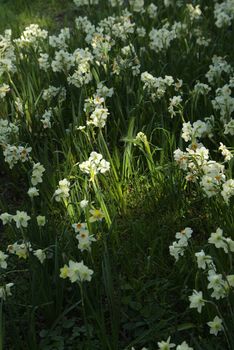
x=63 y=61
x=195 y=161
x=224 y=102
x=4 y=89
x=60 y=41
x=76 y=272
x=7 y=53
x=98 y=112
x=229 y=127
x=46 y=118
x=228 y=190
x=82 y=74
x=62 y=191
x=219 y=284
x=219 y=65
x=104 y=91
x=44 y=62
x=84 y=238
x=31 y=36
x=52 y=91
x=117 y=27
x=128 y=59
x=167 y=345
x=224 y=13
x=161 y=38
x=83 y=24
x=225 y=152
x=8 y=131
x=201 y=88
x=13 y=154
x=98 y=117
x=137 y=5
x=3 y=258
x=37 y=173
x=20 y=249
x=152 y=10
x=174 y=105
x=197 y=130
x=194 y=12
x=5 y=291
x=178 y=247
x=157 y=87
x=94 y=165
x=212 y=179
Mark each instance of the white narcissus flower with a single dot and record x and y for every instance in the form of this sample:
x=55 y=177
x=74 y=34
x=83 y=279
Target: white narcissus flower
x=6 y=218
x=62 y=191
x=218 y=285
x=21 y=219
x=3 y=257
x=4 y=89
x=5 y=291
x=96 y=215
x=21 y=250
x=176 y=250
x=94 y=165
x=184 y=235
x=183 y=346
x=230 y=279
x=37 y=173
x=165 y=345
x=203 y=260
x=40 y=254
x=41 y=220
x=76 y=272
x=33 y=192
x=80 y=227
x=215 y=325
x=196 y=301
x=228 y=190
x=217 y=239
x=85 y=240
x=84 y=203
x=225 y=152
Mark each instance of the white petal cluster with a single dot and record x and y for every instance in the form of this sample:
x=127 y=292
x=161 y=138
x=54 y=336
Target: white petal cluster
x=46 y=118
x=20 y=249
x=7 y=53
x=13 y=154
x=8 y=131
x=224 y=13
x=76 y=272
x=5 y=291
x=32 y=35
x=60 y=41
x=62 y=191
x=95 y=164
x=178 y=247
x=160 y=39
x=197 y=301
x=37 y=173
x=84 y=238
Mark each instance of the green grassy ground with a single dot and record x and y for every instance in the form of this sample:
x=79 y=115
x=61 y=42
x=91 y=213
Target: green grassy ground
x=17 y=14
